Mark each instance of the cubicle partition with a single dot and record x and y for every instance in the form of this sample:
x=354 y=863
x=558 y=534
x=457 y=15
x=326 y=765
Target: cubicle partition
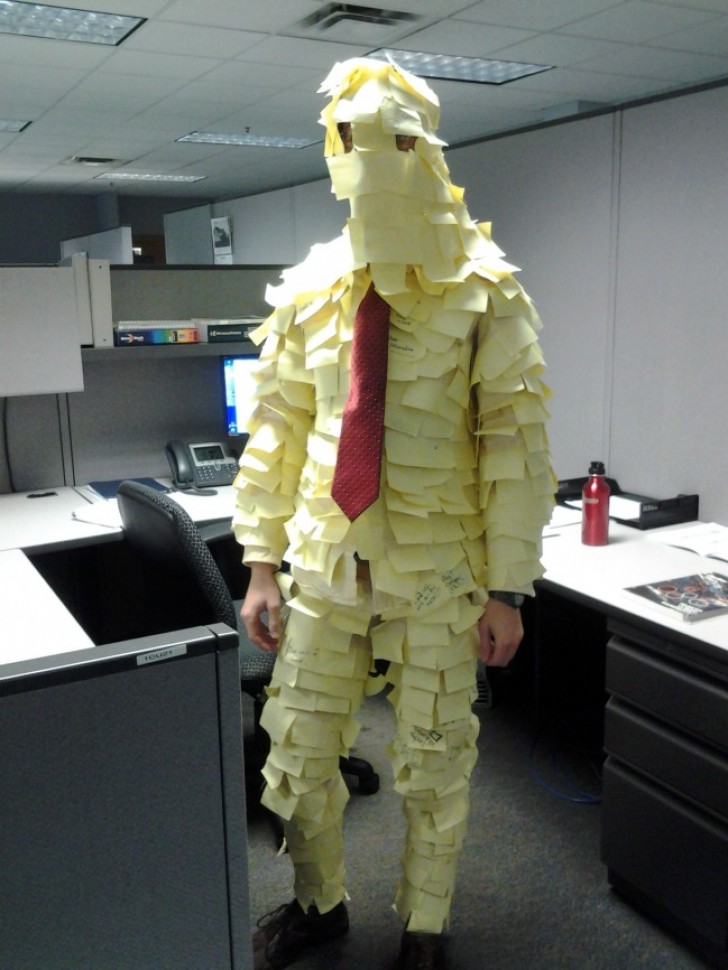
x=134 y=399
x=123 y=840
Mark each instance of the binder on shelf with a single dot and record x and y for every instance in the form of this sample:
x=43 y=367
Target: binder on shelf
x=223 y=331
x=139 y=333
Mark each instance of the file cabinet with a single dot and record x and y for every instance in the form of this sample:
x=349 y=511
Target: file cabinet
x=665 y=808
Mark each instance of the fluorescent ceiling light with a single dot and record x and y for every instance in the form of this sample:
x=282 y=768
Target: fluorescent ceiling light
x=257 y=141
x=245 y=138
x=148 y=177
x=65 y=23
x=448 y=67
x=13 y=125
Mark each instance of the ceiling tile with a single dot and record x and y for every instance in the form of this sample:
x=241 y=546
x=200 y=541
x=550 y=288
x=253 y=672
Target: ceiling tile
x=185 y=67
x=534 y=14
x=317 y=54
x=465 y=39
x=558 y=50
x=26 y=52
x=637 y=21
x=710 y=38
x=171 y=38
x=670 y=66
x=718 y=6
x=267 y=17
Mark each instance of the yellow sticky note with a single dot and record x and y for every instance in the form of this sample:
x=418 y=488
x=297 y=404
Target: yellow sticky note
x=410 y=558
x=460 y=677
x=408 y=530
x=387 y=640
x=387 y=579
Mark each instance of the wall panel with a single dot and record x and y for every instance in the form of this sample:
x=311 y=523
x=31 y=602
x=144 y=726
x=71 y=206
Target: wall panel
x=671 y=341
x=548 y=194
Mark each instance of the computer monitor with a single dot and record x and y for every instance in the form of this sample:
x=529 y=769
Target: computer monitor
x=238 y=388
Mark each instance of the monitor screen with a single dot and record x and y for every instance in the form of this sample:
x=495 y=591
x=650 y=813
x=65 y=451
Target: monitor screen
x=238 y=387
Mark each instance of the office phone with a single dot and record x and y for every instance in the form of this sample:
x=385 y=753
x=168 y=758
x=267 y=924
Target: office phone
x=201 y=465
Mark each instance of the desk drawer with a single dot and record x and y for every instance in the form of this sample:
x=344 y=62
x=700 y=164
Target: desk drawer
x=687 y=699
x=670 y=854
x=675 y=760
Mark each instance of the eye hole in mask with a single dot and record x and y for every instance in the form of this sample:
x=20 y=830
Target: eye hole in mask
x=405 y=143
x=347 y=140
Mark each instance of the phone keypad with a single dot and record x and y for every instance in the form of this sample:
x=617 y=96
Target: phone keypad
x=217 y=474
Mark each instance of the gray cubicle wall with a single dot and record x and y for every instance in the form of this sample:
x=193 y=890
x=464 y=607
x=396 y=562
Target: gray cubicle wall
x=130 y=409
x=182 y=292
x=131 y=406
x=271 y=227
x=549 y=195
x=132 y=403
x=192 y=242
x=671 y=340
x=619 y=224
x=122 y=844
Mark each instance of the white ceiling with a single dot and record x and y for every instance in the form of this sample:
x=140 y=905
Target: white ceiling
x=228 y=65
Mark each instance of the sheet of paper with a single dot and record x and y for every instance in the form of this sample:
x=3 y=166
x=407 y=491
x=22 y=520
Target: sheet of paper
x=105 y=512
x=562 y=516
x=705 y=538
x=624 y=508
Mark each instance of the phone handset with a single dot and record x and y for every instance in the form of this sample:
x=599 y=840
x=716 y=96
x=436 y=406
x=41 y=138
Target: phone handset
x=197 y=467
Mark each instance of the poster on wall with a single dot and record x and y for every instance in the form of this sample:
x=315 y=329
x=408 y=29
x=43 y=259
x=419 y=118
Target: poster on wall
x=222 y=240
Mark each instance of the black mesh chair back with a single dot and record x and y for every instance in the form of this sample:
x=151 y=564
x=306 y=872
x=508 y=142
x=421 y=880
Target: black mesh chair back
x=184 y=584
x=187 y=588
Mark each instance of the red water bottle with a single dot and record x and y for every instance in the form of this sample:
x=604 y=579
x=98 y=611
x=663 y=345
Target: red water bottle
x=595 y=507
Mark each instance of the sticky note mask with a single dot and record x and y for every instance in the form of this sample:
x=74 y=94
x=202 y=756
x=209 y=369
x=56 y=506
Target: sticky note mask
x=404 y=208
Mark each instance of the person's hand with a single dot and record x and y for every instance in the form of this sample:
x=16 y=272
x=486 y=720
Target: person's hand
x=501 y=631
x=263 y=596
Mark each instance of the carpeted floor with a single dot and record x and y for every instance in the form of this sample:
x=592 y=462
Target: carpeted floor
x=532 y=893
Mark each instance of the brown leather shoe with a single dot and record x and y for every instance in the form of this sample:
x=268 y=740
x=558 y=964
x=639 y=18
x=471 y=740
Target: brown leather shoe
x=421 y=951
x=283 y=935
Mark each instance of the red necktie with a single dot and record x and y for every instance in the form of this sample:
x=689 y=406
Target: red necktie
x=356 y=477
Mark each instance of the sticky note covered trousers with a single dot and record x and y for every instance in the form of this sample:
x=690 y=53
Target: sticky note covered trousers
x=323 y=671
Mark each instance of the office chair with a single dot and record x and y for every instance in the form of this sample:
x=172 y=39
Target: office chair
x=187 y=588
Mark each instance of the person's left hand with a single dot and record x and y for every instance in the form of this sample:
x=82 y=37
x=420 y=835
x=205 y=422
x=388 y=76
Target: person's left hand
x=501 y=631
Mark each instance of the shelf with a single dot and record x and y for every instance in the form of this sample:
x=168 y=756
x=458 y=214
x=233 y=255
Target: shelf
x=130 y=354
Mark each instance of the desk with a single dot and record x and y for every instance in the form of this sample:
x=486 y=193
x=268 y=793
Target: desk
x=84 y=561
x=46 y=523
x=665 y=790
x=597 y=575
x=121 y=775
x=25 y=598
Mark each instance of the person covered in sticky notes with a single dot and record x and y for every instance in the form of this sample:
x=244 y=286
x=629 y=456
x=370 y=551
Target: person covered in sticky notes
x=406 y=487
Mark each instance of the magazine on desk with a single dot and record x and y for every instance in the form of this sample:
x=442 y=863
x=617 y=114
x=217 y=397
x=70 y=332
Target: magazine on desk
x=693 y=597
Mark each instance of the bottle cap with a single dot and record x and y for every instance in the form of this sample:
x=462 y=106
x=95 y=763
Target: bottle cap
x=596 y=468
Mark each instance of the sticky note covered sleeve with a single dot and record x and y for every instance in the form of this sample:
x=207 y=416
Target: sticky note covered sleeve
x=517 y=483
x=271 y=464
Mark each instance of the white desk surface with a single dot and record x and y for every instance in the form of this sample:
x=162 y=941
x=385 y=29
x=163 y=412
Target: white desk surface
x=47 y=521
x=33 y=621
x=599 y=573
x=201 y=508
x=631 y=557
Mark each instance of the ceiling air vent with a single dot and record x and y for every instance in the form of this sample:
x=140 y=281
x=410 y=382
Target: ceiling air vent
x=351 y=23
x=92 y=161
